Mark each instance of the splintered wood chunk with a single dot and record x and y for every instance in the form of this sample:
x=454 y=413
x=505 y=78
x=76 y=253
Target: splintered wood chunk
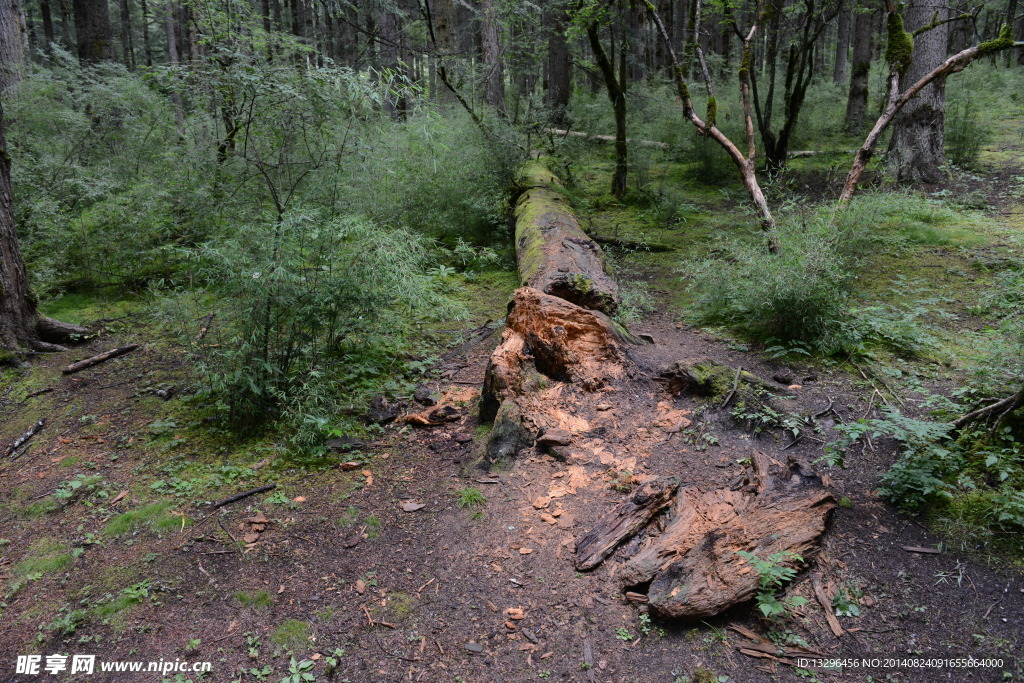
x=622 y=521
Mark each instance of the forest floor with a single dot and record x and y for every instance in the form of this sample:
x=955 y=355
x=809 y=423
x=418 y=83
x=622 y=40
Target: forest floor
x=110 y=546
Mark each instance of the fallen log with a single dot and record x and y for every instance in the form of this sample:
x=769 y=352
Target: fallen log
x=693 y=569
x=605 y=138
x=29 y=433
x=553 y=252
x=95 y=360
x=623 y=521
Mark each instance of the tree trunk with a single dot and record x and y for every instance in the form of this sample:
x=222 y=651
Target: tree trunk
x=916 y=153
x=127 y=42
x=490 y=43
x=12 y=44
x=389 y=57
x=21 y=326
x=443 y=20
x=147 y=45
x=44 y=10
x=857 y=101
x=66 y=26
x=617 y=96
x=92 y=26
x=559 y=65
x=839 y=69
x=173 y=60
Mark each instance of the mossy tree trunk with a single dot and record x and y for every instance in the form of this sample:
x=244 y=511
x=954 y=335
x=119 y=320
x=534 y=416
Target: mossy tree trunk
x=857 y=100
x=917 y=149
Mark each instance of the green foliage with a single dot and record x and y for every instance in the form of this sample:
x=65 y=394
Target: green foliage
x=44 y=556
x=258 y=599
x=292 y=635
x=967 y=130
x=772 y=575
x=156 y=516
x=318 y=309
x=470 y=497
x=806 y=298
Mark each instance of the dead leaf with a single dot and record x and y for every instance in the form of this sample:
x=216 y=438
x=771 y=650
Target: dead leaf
x=516 y=613
x=251 y=538
x=119 y=497
x=281 y=589
x=258 y=519
x=413 y=507
x=525 y=551
x=548 y=518
x=369 y=477
x=349 y=466
x=541 y=502
x=360 y=586
x=299 y=499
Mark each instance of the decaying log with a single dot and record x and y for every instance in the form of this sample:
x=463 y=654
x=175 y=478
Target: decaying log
x=693 y=570
x=623 y=521
x=549 y=336
x=559 y=339
x=29 y=433
x=105 y=356
x=554 y=254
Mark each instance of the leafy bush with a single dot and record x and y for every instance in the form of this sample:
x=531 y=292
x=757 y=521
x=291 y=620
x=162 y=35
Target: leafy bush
x=313 y=307
x=801 y=293
x=966 y=132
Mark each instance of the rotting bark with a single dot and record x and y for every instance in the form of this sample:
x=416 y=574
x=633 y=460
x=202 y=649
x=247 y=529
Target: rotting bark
x=623 y=521
x=554 y=254
x=561 y=340
x=693 y=569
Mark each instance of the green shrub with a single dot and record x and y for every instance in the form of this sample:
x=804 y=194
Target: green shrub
x=799 y=294
x=314 y=310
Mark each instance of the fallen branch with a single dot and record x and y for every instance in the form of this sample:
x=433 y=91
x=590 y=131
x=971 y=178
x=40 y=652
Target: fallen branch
x=95 y=360
x=204 y=328
x=29 y=433
x=244 y=494
x=1003 y=407
x=826 y=604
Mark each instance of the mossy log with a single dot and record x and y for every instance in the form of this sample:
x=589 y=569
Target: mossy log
x=714 y=380
x=554 y=254
x=693 y=569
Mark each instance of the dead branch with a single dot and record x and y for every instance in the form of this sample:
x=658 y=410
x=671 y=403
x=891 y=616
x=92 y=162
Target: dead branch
x=29 y=433
x=95 y=360
x=244 y=494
